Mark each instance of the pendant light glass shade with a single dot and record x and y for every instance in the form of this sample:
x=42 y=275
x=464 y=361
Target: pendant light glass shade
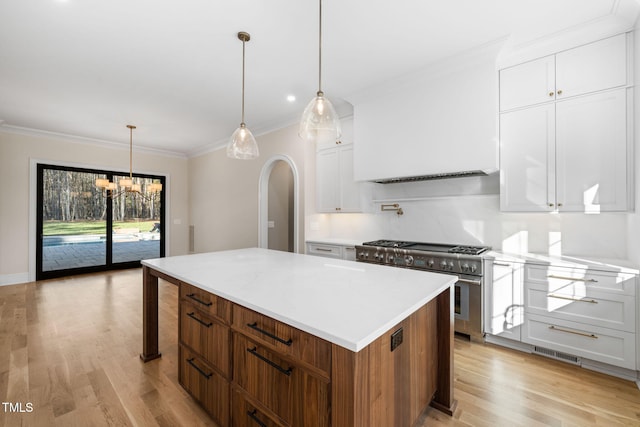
x=242 y=145
x=320 y=121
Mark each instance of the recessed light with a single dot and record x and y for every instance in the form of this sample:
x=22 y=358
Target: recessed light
x=291 y=98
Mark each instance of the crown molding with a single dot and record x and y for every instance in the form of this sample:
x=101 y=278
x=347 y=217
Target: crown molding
x=75 y=139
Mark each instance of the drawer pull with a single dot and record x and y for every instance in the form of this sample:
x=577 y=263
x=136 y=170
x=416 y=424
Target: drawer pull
x=208 y=325
x=193 y=297
x=254 y=351
x=255 y=327
x=323 y=249
x=252 y=415
x=203 y=373
x=569 y=331
x=591 y=301
x=501 y=264
x=577 y=279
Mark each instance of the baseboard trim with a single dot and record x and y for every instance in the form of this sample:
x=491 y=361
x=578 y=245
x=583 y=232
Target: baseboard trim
x=13 y=279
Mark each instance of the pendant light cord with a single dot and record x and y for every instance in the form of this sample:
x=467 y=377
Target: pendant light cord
x=243 y=42
x=320 y=49
x=130 y=151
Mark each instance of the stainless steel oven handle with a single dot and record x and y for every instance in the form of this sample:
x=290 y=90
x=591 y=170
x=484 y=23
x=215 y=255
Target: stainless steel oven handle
x=476 y=282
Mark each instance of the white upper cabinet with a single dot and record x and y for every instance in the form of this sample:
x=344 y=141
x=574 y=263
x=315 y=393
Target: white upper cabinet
x=336 y=189
x=571 y=151
x=589 y=68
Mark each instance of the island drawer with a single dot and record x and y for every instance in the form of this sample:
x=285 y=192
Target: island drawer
x=285 y=388
x=207 y=336
x=204 y=384
x=207 y=302
x=324 y=250
x=576 y=280
x=246 y=414
x=306 y=348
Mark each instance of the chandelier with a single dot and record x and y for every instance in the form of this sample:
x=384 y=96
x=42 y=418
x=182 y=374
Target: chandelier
x=126 y=186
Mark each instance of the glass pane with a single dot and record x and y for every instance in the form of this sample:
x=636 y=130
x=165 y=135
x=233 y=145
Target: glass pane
x=136 y=222
x=74 y=220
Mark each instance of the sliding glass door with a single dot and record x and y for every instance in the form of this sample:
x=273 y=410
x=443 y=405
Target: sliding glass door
x=80 y=229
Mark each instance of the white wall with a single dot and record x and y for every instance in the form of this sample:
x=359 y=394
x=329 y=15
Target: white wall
x=16 y=153
x=224 y=192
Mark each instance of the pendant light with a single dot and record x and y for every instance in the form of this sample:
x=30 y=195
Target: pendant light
x=242 y=144
x=126 y=184
x=320 y=121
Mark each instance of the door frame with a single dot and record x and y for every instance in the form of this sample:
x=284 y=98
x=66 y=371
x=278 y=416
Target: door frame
x=33 y=203
x=263 y=201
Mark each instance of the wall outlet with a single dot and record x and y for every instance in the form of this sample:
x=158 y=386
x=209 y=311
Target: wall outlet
x=396 y=339
x=271 y=224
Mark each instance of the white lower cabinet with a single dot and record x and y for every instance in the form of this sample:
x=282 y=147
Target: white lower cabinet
x=503 y=309
x=332 y=250
x=576 y=311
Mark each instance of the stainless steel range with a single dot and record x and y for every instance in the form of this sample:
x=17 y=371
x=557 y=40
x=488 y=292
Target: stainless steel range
x=462 y=261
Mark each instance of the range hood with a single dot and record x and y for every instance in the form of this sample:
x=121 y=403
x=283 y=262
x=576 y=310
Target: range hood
x=444 y=175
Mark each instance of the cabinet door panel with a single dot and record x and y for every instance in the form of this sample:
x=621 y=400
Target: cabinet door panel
x=527 y=159
x=504 y=308
x=350 y=195
x=596 y=66
x=591 y=135
x=327 y=181
x=527 y=84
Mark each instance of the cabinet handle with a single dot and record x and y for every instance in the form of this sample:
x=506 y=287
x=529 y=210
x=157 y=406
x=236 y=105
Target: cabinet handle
x=193 y=297
x=192 y=315
x=252 y=415
x=569 y=331
x=255 y=327
x=576 y=279
x=324 y=250
x=591 y=301
x=560 y=92
x=502 y=264
x=254 y=351
x=550 y=93
x=203 y=373
x=550 y=205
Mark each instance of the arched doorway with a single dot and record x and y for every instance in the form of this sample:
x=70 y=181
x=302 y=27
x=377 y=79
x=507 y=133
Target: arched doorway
x=279 y=187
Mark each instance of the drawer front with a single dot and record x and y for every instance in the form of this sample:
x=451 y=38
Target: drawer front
x=204 y=384
x=264 y=375
x=592 y=342
x=595 y=308
x=330 y=251
x=576 y=280
x=293 y=394
x=312 y=351
x=207 y=336
x=245 y=414
x=206 y=302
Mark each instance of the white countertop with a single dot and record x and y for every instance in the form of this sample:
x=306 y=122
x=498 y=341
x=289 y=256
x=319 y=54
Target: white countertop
x=335 y=241
x=611 y=265
x=349 y=304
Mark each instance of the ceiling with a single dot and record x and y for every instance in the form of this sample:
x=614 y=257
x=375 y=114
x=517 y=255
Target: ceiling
x=87 y=68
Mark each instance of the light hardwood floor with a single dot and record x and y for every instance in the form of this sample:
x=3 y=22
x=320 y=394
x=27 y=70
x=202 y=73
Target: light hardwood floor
x=69 y=348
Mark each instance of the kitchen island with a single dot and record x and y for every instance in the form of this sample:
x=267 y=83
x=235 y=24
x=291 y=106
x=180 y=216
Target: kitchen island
x=283 y=339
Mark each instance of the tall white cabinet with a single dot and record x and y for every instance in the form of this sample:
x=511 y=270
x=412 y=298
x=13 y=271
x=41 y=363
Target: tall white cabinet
x=566 y=130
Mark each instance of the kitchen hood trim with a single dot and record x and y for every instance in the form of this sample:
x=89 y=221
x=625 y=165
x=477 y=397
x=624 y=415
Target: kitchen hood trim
x=436 y=176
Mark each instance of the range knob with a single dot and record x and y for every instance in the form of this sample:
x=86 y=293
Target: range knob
x=450 y=265
x=430 y=263
x=443 y=264
x=408 y=260
x=473 y=268
x=376 y=255
x=465 y=267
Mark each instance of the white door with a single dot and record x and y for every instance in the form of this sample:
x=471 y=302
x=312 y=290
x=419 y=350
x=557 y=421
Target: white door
x=327 y=180
x=592 y=152
x=527 y=159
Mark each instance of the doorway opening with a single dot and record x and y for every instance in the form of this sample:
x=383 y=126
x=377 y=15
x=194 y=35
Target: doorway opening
x=278 y=205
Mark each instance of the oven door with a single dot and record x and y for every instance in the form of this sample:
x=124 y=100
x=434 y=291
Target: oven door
x=468 y=307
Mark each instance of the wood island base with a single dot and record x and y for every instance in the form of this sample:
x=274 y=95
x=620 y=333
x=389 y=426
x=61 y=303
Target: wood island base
x=244 y=367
